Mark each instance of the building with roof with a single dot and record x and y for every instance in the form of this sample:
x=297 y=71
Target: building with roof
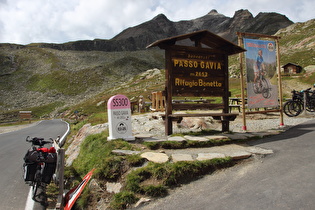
x=291 y=68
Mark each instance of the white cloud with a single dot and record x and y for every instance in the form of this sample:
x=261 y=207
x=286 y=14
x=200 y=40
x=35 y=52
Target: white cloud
x=60 y=21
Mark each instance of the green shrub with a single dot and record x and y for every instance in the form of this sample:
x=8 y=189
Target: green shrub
x=135 y=160
x=155 y=191
x=83 y=200
x=185 y=144
x=123 y=199
x=135 y=177
x=170 y=175
x=110 y=168
x=152 y=145
x=95 y=152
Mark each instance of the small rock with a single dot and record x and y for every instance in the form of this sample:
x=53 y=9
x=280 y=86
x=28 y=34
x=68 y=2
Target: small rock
x=155 y=157
x=238 y=155
x=176 y=138
x=196 y=138
x=181 y=157
x=209 y=156
x=217 y=137
x=113 y=187
x=259 y=151
x=94 y=186
x=102 y=204
x=143 y=136
x=125 y=152
x=141 y=201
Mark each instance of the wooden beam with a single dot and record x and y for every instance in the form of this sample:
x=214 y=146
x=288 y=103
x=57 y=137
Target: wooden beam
x=242 y=34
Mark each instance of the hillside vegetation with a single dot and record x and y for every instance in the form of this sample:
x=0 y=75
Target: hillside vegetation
x=34 y=77
x=51 y=82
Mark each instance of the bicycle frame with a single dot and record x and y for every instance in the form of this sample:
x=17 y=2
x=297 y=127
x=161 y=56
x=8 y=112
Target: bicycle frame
x=40 y=158
x=262 y=85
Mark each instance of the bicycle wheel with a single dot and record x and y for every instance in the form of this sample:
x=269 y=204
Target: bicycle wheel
x=265 y=88
x=292 y=108
x=35 y=186
x=310 y=105
x=37 y=181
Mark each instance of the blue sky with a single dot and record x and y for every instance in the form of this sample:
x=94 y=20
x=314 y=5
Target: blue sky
x=59 y=21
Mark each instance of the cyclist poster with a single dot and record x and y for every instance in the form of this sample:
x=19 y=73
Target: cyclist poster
x=261 y=68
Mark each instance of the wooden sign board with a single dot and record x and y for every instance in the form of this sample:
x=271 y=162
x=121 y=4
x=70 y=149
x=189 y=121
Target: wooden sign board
x=25 y=115
x=196 y=66
x=197 y=73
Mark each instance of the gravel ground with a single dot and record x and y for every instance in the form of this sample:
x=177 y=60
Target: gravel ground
x=152 y=124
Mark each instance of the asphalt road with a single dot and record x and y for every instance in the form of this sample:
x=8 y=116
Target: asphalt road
x=283 y=180
x=14 y=191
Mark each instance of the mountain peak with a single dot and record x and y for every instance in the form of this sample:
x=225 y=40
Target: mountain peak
x=214 y=12
x=160 y=17
x=242 y=13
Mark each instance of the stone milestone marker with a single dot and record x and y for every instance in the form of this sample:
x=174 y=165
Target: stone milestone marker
x=119 y=118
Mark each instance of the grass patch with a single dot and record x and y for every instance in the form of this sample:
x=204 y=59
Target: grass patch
x=185 y=144
x=52 y=192
x=200 y=133
x=155 y=191
x=154 y=179
x=65 y=82
x=123 y=199
x=45 y=110
x=95 y=152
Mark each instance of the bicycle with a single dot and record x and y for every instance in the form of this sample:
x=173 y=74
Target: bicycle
x=262 y=85
x=40 y=164
x=295 y=106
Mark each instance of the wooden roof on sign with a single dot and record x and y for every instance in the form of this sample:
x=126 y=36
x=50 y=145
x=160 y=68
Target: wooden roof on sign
x=200 y=38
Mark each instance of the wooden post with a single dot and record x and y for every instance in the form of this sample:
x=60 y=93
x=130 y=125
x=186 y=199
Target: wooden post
x=279 y=82
x=159 y=100
x=154 y=101
x=240 y=43
x=168 y=97
x=226 y=123
x=60 y=174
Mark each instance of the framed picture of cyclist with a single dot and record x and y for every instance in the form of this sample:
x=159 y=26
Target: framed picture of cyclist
x=261 y=68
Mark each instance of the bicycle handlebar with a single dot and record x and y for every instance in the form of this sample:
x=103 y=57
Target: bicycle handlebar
x=38 y=141
x=306 y=90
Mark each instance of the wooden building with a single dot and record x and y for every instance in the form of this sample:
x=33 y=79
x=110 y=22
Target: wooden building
x=291 y=68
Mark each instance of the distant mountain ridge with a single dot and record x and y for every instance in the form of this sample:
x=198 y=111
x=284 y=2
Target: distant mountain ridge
x=160 y=27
